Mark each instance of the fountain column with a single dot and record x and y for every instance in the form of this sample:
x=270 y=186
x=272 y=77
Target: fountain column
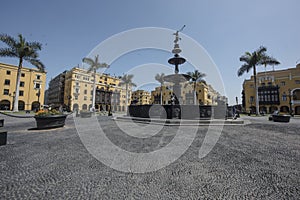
x=177 y=78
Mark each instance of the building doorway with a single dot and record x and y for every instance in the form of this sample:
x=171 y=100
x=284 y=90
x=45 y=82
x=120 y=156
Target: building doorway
x=272 y=109
x=35 y=106
x=297 y=110
x=4 y=105
x=21 y=105
x=75 y=107
x=84 y=107
x=263 y=110
x=284 y=109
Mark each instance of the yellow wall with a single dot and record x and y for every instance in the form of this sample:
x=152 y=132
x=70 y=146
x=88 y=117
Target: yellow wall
x=29 y=79
x=201 y=88
x=143 y=97
x=78 y=79
x=166 y=93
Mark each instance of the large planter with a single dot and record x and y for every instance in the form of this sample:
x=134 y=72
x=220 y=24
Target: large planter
x=3 y=134
x=3 y=137
x=85 y=114
x=277 y=117
x=50 y=121
x=281 y=118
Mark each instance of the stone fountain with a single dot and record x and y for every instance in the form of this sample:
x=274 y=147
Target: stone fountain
x=176 y=78
x=176 y=110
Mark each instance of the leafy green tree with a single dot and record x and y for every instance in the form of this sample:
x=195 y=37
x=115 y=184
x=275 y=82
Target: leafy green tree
x=23 y=50
x=160 y=79
x=196 y=77
x=126 y=80
x=251 y=61
x=94 y=66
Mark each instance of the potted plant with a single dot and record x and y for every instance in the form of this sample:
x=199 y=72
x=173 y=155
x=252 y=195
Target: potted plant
x=49 y=118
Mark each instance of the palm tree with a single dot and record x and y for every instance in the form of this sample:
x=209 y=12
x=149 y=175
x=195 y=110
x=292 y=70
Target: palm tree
x=160 y=79
x=251 y=60
x=23 y=50
x=94 y=66
x=196 y=77
x=127 y=81
x=268 y=60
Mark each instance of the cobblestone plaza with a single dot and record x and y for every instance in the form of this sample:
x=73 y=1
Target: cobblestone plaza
x=259 y=160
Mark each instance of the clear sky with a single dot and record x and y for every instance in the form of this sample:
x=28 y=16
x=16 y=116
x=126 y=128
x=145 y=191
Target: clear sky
x=70 y=30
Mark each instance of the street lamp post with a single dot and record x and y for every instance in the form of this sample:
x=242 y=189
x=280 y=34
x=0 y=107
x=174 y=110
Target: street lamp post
x=69 y=102
x=108 y=100
x=251 y=102
x=290 y=102
x=38 y=94
x=13 y=96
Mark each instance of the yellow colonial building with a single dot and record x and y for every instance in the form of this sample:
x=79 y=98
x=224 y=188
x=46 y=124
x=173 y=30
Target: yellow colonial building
x=140 y=97
x=277 y=90
x=206 y=95
x=32 y=87
x=78 y=90
x=166 y=95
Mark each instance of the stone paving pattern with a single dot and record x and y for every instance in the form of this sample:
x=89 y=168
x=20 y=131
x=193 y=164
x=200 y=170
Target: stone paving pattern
x=256 y=161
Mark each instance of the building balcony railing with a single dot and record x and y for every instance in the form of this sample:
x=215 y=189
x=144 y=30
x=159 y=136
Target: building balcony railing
x=268 y=87
x=269 y=102
x=295 y=101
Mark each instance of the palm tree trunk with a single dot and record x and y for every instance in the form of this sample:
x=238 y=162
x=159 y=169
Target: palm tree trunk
x=16 y=98
x=94 y=91
x=126 y=98
x=256 y=91
x=195 y=94
x=161 y=99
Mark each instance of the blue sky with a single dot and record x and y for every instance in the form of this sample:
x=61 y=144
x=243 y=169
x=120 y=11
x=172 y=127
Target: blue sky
x=70 y=30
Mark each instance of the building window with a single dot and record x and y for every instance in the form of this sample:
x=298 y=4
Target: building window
x=38 y=77
x=7 y=82
x=282 y=83
x=77 y=84
x=6 y=91
x=7 y=72
x=251 y=99
x=22 y=84
x=85 y=98
x=76 y=97
x=22 y=75
x=297 y=81
x=77 y=76
x=85 y=91
x=284 y=97
x=37 y=86
x=21 y=93
x=91 y=92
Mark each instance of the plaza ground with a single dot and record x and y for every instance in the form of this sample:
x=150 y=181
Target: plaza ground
x=259 y=160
